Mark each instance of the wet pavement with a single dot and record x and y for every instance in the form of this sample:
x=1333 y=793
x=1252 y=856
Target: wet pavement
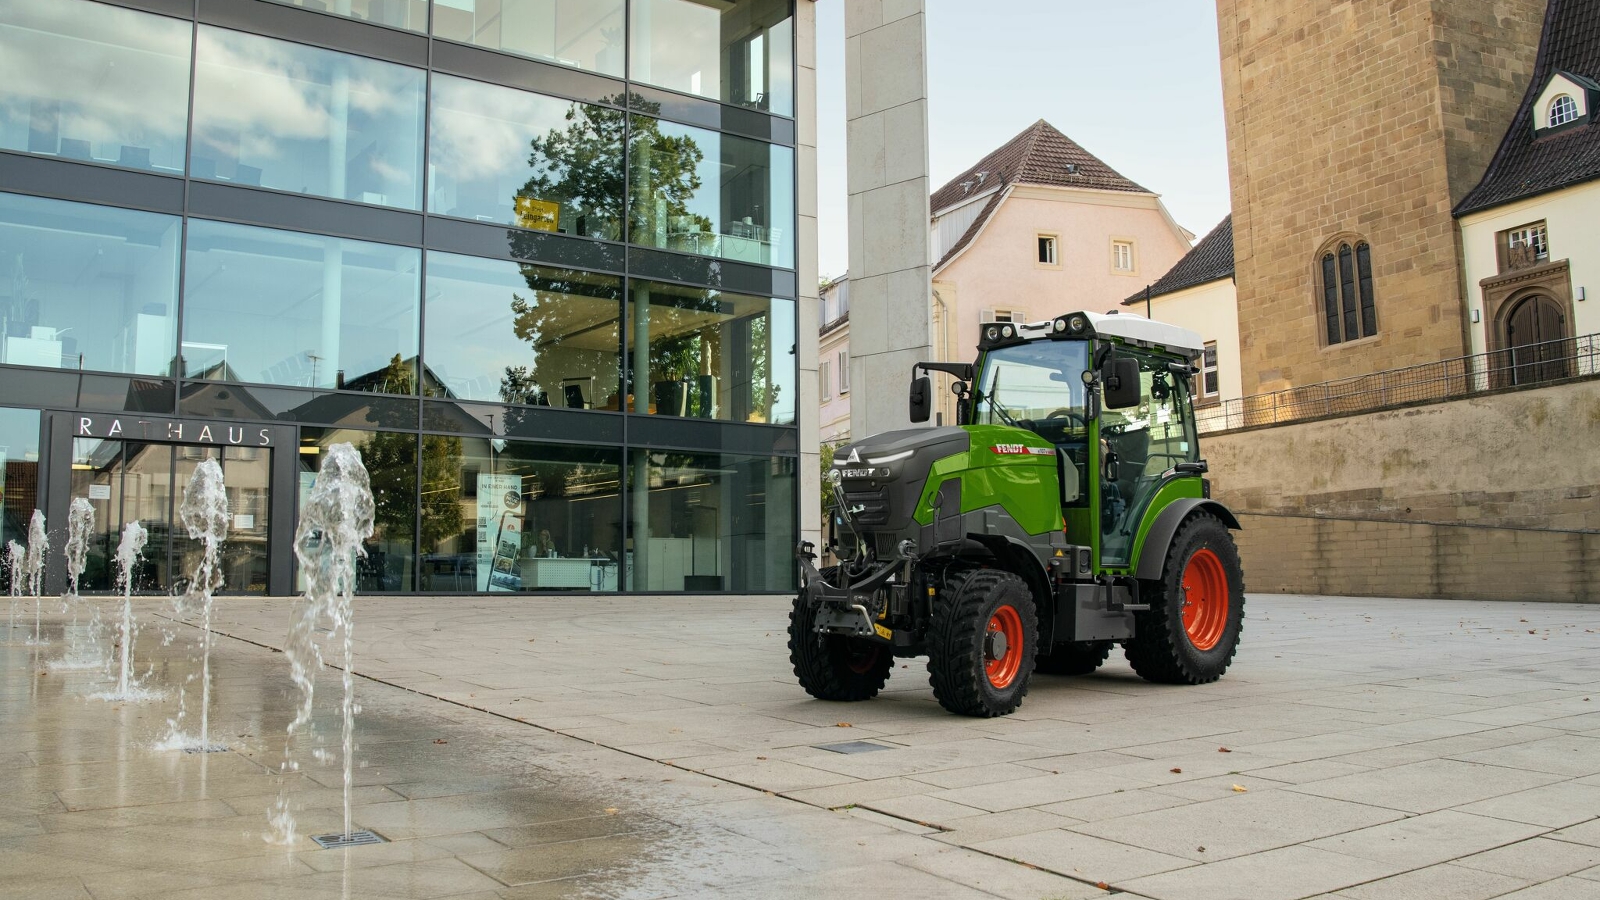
x=655 y=747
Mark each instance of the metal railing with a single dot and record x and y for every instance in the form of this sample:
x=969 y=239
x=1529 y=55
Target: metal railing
x=1528 y=365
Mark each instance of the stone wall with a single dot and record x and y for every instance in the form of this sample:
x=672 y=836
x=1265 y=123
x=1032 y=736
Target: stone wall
x=1366 y=120
x=1494 y=496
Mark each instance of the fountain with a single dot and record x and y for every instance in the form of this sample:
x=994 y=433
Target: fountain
x=133 y=540
x=204 y=513
x=38 y=546
x=80 y=525
x=15 y=563
x=336 y=517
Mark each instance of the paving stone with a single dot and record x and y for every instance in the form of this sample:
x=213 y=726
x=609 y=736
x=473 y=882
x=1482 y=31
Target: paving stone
x=1553 y=805
x=1538 y=859
x=1287 y=873
x=1427 y=786
x=1427 y=839
x=1083 y=856
x=1440 y=882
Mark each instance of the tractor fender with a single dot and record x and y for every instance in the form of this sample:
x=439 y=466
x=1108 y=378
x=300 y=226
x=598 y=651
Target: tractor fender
x=1153 y=554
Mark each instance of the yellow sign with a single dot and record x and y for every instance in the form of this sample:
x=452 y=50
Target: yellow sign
x=883 y=632
x=539 y=215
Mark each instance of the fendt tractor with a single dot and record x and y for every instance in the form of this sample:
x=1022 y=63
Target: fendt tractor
x=1065 y=512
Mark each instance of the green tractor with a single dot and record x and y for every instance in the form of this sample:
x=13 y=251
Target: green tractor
x=1066 y=512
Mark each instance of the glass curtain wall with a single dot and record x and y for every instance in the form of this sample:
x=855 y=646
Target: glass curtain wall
x=513 y=157
x=390 y=458
x=739 y=52
x=708 y=354
x=84 y=286
x=94 y=83
x=411 y=15
x=527 y=517
x=583 y=34
x=710 y=522
x=284 y=308
x=19 y=479
x=269 y=113
x=711 y=194
x=523 y=334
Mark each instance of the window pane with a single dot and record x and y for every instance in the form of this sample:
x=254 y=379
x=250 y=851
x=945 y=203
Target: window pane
x=274 y=114
x=1347 y=292
x=518 y=158
x=698 y=191
x=280 y=307
x=412 y=15
x=94 y=82
x=584 y=34
x=518 y=516
x=710 y=354
x=1369 y=314
x=1330 y=298
x=390 y=458
x=710 y=522
x=19 y=481
x=87 y=286
x=738 y=52
x=518 y=333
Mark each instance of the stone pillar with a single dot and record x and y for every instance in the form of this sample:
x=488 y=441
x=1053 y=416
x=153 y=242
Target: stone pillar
x=886 y=112
x=807 y=312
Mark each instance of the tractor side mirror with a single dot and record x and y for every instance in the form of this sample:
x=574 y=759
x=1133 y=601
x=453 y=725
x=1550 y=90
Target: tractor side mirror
x=1121 y=378
x=921 y=398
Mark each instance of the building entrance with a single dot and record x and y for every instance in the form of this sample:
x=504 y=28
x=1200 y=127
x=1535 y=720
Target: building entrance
x=129 y=481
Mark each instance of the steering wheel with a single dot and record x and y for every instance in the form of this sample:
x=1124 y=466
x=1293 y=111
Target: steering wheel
x=1068 y=414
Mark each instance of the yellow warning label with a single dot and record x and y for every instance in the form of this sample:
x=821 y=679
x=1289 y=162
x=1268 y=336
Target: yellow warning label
x=883 y=632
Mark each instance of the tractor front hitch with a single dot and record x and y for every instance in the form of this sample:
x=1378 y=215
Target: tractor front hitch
x=844 y=609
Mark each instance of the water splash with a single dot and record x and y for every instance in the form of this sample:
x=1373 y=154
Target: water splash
x=14 y=564
x=334 y=521
x=81 y=653
x=204 y=513
x=38 y=546
x=80 y=524
x=132 y=543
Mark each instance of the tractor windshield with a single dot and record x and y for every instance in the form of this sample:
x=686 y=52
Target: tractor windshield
x=1037 y=385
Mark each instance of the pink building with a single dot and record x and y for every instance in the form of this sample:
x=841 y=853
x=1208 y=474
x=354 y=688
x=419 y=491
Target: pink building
x=1037 y=228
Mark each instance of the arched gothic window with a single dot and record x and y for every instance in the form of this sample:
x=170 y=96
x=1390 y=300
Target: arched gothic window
x=1563 y=109
x=1346 y=292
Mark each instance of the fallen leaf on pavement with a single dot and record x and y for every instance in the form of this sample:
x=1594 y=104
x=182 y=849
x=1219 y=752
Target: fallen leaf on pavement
x=1223 y=750
x=611 y=810
x=440 y=741
x=1176 y=771
x=1240 y=789
x=843 y=725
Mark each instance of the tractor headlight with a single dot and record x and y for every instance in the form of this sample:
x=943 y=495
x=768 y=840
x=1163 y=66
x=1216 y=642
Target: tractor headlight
x=891 y=458
x=1078 y=324
x=992 y=333
x=1060 y=325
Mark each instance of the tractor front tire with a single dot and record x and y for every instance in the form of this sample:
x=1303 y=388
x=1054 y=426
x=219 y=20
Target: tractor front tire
x=831 y=666
x=1190 y=632
x=1077 y=658
x=981 y=643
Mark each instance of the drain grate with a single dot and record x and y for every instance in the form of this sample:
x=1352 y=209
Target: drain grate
x=359 y=838
x=215 y=749
x=852 y=747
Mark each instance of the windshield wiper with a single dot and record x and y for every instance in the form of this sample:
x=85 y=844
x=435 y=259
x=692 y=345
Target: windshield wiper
x=994 y=388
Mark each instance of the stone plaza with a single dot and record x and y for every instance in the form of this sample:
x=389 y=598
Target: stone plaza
x=659 y=747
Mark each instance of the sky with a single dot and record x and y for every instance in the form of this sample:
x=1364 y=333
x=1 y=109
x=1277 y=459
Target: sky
x=1137 y=83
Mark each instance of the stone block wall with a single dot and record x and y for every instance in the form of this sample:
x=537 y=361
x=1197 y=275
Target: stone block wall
x=1367 y=120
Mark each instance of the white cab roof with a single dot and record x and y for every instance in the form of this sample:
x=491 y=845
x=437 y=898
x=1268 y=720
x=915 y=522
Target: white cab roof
x=1134 y=328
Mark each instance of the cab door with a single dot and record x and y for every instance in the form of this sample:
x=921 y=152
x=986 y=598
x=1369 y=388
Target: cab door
x=1139 y=447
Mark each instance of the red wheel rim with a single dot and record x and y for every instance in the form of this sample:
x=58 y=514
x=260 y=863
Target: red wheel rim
x=1205 y=599
x=862 y=659
x=1008 y=623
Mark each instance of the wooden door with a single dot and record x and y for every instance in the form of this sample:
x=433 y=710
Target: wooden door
x=1536 y=345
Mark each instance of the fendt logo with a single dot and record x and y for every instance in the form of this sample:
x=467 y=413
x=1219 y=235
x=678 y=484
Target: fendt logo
x=1022 y=450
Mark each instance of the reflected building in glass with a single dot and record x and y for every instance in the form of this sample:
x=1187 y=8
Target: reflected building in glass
x=537 y=259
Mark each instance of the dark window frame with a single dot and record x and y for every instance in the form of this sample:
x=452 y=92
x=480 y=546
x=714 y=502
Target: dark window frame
x=1345 y=295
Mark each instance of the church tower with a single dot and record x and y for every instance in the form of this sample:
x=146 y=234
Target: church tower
x=1353 y=129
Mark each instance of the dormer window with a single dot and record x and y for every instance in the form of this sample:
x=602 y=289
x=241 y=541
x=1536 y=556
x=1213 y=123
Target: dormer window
x=1567 y=101
x=1563 y=109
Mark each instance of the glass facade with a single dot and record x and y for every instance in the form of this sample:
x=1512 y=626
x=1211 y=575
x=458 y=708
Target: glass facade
x=584 y=34
x=87 y=287
x=551 y=303
x=270 y=113
x=95 y=83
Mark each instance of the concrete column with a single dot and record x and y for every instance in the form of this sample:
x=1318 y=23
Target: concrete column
x=807 y=406
x=886 y=112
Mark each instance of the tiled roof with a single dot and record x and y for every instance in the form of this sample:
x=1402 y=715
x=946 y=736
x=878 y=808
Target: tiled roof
x=1210 y=260
x=1039 y=155
x=1525 y=165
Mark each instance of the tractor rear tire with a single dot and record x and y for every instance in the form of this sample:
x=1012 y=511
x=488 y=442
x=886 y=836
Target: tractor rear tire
x=832 y=666
x=1078 y=658
x=1191 y=631
x=981 y=643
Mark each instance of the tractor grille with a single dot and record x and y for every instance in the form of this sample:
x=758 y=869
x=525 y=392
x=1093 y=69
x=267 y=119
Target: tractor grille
x=874 y=506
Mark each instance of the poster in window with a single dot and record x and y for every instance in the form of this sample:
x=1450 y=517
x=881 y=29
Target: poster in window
x=500 y=509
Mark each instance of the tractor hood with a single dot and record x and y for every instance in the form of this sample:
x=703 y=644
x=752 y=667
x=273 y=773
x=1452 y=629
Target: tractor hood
x=884 y=474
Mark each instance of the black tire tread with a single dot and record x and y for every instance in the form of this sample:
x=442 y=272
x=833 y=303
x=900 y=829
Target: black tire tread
x=955 y=640
x=822 y=672
x=1159 y=651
